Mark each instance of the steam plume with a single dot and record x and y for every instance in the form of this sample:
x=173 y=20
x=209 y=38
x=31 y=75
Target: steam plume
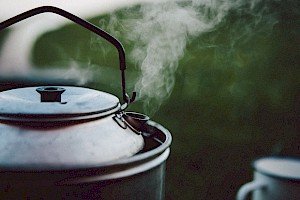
x=160 y=36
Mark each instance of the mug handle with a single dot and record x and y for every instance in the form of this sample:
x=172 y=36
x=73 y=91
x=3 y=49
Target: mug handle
x=249 y=187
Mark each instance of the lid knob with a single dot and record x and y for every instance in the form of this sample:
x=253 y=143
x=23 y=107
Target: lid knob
x=50 y=93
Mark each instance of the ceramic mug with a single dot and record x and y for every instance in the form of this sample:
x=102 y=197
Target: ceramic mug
x=275 y=178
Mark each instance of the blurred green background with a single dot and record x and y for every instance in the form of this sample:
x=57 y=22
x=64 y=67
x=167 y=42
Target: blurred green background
x=236 y=96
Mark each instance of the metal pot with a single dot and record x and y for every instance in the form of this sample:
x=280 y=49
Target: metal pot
x=66 y=142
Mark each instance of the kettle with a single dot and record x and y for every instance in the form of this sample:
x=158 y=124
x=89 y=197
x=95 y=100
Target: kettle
x=69 y=142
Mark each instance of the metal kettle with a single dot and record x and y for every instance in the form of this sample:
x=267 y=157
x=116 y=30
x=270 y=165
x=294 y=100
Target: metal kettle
x=73 y=142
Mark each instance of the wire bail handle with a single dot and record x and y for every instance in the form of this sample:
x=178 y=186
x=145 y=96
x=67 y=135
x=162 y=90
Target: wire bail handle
x=86 y=25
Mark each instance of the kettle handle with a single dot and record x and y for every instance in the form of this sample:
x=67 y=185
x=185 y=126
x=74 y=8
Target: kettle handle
x=84 y=24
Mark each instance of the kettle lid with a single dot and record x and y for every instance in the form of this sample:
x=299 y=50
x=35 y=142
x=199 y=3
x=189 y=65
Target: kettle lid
x=55 y=103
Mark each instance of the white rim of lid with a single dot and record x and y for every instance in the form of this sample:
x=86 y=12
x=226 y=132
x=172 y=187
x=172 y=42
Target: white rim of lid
x=279 y=167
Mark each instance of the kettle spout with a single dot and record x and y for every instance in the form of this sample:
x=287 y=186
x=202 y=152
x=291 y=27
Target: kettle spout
x=136 y=121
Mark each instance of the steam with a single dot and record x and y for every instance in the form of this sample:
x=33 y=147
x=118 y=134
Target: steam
x=75 y=72
x=161 y=33
x=160 y=38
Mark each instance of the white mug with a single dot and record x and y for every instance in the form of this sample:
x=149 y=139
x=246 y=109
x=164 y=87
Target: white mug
x=275 y=178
